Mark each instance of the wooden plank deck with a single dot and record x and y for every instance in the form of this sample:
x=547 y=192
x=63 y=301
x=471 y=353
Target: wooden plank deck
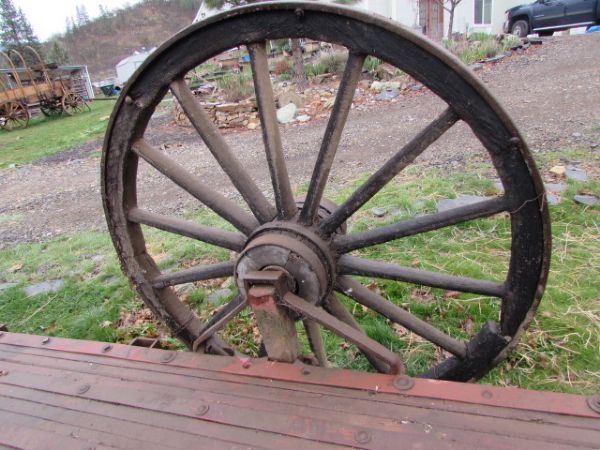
x=61 y=393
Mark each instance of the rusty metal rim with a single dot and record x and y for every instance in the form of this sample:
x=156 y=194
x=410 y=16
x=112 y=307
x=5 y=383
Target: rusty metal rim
x=508 y=397
x=181 y=320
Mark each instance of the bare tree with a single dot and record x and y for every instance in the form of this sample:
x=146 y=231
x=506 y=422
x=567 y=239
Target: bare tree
x=450 y=6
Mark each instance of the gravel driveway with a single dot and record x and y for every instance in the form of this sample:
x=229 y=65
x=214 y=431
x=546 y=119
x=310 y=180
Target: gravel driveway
x=552 y=93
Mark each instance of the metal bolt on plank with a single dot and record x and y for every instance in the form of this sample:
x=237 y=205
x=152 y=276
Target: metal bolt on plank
x=168 y=357
x=363 y=437
x=202 y=409
x=83 y=388
x=403 y=383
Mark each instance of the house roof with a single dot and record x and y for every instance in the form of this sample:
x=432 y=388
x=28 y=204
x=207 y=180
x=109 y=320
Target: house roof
x=136 y=57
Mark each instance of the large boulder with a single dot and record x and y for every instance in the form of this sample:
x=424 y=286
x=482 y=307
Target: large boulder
x=287 y=113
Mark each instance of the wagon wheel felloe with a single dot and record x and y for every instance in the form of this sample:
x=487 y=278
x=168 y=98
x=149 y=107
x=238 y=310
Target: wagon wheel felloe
x=294 y=255
x=13 y=115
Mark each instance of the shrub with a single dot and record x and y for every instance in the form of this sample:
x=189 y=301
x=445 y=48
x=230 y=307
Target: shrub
x=312 y=70
x=282 y=66
x=510 y=41
x=371 y=64
x=480 y=36
x=335 y=62
x=237 y=87
x=490 y=48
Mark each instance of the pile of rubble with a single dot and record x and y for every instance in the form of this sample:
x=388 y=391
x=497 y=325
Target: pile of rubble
x=224 y=115
x=314 y=103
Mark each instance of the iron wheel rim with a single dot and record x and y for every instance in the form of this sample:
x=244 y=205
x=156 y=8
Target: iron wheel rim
x=465 y=95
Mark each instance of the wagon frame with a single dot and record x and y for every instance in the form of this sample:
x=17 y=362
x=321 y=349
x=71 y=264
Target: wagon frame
x=26 y=88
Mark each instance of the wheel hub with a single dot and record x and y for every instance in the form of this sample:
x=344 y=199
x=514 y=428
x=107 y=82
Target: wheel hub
x=295 y=250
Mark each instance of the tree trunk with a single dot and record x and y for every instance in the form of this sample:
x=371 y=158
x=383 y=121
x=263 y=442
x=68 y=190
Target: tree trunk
x=299 y=75
x=451 y=22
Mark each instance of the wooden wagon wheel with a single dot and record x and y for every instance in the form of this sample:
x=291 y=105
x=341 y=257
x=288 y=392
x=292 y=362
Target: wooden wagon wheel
x=51 y=107
x=72 y=103
x=270 y=236
x=13 y=115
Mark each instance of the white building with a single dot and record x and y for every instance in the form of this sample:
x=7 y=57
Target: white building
x=429 y=17
x=127 y=66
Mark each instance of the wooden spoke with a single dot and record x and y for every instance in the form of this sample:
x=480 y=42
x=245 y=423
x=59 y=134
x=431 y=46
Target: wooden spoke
x=315 y=340
x=332 y=137
x=198 y=273
x=215 y=201
x=221 y=238
x=220 y=319
x=389 y=170
x=336 y=308
x=239 y=176
x=347 y=243
x=347 y=332
x=284 y=199
x=351 y=265
x=370 y=299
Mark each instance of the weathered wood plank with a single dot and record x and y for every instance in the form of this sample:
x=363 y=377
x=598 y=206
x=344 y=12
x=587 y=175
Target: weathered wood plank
x=291 y=394
x=218 y=381
x=131 y=398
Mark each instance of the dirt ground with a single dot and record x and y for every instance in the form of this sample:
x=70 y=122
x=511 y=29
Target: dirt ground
x=552 y=93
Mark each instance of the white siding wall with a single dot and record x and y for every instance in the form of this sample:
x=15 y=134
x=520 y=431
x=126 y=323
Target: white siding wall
x=407 y=13
x=404 y=11
x=464 y=16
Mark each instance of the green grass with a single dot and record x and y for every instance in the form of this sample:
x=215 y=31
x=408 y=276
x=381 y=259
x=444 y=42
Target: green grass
x=559 y=352
x=48 y=136
x=480 y=46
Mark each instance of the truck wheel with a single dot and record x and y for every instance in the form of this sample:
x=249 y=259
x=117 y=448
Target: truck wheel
x=520 y=28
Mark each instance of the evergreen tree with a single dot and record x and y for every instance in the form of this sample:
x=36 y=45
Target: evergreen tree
x=10 y=36
x=68 y=26
x=16 y=33
x=85 y=17
x=27 y=35
x=82 y=15
x=58 y=53
x=103 y=11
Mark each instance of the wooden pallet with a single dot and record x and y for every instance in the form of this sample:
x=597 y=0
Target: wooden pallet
x=62 y=393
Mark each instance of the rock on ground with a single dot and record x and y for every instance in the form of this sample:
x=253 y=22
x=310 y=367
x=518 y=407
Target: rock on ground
x=446 y=204
x=44 y=287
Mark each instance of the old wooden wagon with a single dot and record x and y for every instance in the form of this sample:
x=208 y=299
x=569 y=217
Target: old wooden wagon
x=49 y=88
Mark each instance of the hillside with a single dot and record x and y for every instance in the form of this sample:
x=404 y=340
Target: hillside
x=103 y=42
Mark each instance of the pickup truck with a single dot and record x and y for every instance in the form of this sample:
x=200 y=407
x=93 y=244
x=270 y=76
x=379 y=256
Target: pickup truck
x=547 y=16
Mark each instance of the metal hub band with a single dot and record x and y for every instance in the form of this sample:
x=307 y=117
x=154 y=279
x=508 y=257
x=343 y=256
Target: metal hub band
x=279 y=245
